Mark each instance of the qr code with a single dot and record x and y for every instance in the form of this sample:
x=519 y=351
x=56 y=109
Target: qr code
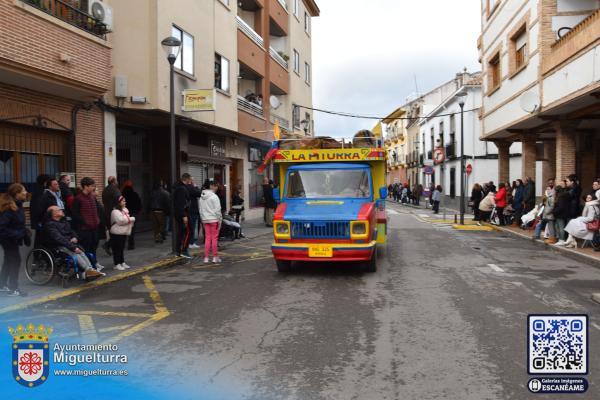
x=558 y=344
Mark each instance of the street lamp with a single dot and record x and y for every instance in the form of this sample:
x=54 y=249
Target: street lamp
x=461 y=96
x=172 y=46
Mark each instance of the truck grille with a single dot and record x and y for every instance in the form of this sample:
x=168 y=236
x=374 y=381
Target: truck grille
x=321 y=229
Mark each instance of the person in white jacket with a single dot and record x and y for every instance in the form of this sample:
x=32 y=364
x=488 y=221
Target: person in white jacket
x=211 y=216
x=121 y=224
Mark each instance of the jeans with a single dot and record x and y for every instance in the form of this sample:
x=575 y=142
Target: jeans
x=83 y=263
x=542 y=225
x=436 y=206
x=211 y=239
x=193 y=221
x=10 y=269
x=560 y=225
x=118 y=248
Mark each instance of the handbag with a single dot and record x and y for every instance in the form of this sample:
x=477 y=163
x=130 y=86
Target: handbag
x=594 y=225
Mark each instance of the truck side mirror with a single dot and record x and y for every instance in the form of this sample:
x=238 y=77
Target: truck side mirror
x=276 y=195
x=383 y=193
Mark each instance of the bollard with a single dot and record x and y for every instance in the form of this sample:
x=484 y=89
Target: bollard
x=455 y=220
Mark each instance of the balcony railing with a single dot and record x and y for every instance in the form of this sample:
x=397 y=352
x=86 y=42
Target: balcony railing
x=251 y=33
x=249 y=107
x=71 y=15
x=283 y=4
x=283 y=123
x=280 y=60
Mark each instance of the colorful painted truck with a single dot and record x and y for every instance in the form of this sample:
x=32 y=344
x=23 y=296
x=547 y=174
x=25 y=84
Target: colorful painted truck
x=332 y=205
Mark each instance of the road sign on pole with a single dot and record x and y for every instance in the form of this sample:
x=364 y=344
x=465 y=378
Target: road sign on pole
x=438 y=155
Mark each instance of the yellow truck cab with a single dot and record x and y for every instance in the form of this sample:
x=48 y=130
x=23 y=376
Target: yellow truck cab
x=332 y=202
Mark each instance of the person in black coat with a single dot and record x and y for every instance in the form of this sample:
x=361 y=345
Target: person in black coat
x=13 y=234
x=561 y=212
x=270 y=203
x=194 y=192
x=574 y=190
x=134 y=205
x=35 y=207
x=476 y=197
x=160 y=206
x=181 y=211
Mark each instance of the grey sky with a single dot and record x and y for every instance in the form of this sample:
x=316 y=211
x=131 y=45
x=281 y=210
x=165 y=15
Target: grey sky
x=366 y=53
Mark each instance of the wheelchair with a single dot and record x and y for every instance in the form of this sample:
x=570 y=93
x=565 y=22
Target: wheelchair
x=44 y=263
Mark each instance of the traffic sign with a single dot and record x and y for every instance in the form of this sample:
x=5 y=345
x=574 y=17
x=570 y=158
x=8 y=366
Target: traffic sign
x=469 y=169
x=438 y=155
x=428 y=170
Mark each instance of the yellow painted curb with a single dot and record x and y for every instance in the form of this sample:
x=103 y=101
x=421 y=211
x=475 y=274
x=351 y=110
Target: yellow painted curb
x=482 y=228
x=91 y=285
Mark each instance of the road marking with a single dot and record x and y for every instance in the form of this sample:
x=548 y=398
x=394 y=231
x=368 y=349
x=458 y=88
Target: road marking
x=91 y=285
x=392 y=212
x=87 y=328
x=596 y=326
x=495 y=268
x=424 y=215
x=161 y=313
x=103 y=313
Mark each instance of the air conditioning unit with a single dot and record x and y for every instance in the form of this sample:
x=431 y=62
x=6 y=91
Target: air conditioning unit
x=102 y=12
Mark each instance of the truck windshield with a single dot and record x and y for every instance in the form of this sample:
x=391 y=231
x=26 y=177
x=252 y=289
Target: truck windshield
x=337 y=183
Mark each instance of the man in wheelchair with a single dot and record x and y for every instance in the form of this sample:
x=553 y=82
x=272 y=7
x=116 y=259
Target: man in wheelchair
x=58 y=234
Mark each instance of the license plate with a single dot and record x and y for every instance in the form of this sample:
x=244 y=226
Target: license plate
x=321 y=250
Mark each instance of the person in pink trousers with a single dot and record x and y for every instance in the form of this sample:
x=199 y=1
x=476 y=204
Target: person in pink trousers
x=212 y=217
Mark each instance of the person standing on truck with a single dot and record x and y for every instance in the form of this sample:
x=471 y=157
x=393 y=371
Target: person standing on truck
x=270 y=203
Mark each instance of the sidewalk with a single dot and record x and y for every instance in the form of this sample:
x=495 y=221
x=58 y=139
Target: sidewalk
x=147 y=255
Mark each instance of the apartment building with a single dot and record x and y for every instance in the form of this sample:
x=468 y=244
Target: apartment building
x=541 y=86
x=55 y=63
x=395 y=145
x=237 y=55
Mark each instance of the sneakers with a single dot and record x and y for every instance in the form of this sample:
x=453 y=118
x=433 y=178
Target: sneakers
x=15 y=293
x=185 y=254
x=92 y=274
x=99 y=267
x=217 y=260
x=206 y=260
x=120 y=267
x=194 y=246
x=560 y=243
x=125 y=266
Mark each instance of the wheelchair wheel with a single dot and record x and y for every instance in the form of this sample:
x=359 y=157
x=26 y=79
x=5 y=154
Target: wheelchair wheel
x=40 y=267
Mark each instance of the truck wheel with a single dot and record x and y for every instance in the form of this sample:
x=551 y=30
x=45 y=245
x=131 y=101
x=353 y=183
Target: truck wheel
x=283 y=266
x=372 y=263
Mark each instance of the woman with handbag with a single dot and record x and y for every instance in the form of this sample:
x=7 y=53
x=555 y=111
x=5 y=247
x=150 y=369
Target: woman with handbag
x=13 y=234
x=120 y=228
x=584 y=227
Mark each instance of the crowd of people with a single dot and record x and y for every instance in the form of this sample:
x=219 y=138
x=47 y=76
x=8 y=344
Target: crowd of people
x=73 y=221
x=563 y=215
x=402 y=193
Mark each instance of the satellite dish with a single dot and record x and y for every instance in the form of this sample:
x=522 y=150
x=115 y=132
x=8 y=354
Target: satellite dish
x=529 y=102
x=275 y=103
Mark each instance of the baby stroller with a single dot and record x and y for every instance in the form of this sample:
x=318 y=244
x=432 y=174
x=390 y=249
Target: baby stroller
x=532 y=218
x=230 y=229
x=508 y=214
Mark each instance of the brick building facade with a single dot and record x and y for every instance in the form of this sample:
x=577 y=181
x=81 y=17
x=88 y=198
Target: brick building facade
x=54 y=65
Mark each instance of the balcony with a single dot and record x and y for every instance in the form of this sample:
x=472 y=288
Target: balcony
x=70 y=14
x=278 y=58
x=576 y=39
x=250 y=32
x=250 y=107
x=283 y=122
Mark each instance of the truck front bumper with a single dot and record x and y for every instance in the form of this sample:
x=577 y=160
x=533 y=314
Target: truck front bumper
x=340 y=251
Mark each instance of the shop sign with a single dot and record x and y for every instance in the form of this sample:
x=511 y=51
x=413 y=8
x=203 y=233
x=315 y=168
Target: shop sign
x=198 y=100
x=217 y=148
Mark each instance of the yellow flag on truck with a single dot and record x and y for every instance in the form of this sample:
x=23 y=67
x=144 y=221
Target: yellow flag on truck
x=276 y=131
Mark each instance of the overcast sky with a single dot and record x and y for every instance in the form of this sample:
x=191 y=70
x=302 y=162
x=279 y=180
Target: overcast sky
x=366 y=54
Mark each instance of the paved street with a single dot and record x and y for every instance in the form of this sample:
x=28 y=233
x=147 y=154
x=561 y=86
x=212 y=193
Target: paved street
x=443 y=318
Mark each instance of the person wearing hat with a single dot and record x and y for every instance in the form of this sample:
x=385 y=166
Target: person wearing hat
x=121 y=224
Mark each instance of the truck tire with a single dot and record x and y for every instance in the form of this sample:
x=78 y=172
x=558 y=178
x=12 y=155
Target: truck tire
x=283 y=266
x=372 y=263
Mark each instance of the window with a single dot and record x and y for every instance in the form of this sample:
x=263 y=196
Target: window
x=323 y=184
x=296 y=116
x=6 y=169
x=221 y=73
x=296 y=62
x=307 y=72
x=518 y=49
x=52 y=165
x=29 y=170
x=297 y=8
x=306 y=23
x=494 y=77
x=308 y=124
x=185 y=60
x=452 y=123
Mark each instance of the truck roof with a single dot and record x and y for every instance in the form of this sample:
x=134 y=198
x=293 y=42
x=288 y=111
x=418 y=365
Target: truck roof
x=353 y=154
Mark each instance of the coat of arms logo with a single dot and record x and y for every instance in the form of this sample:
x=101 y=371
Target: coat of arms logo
x=30 y=354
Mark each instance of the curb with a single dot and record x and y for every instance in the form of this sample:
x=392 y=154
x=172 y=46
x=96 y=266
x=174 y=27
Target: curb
x=169 y=262
x=565 y=251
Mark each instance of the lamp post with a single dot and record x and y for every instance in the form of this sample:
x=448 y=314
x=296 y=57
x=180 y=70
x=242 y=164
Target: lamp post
x=172 y=46
x=461 y=102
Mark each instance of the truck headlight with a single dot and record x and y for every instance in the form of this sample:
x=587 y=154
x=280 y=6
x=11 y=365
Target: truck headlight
x=281 y=229
x=359 y=229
